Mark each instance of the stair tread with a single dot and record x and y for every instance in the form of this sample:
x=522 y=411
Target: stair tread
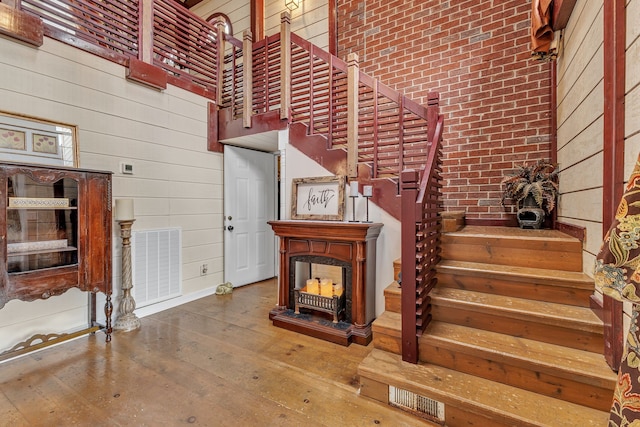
x=529 y=274
x=505 y=347
x=512 y=233
x=544 y=312
x=512 y=405
x=574 y=364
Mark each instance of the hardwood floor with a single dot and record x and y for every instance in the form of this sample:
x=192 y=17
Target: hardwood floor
x=216 y=361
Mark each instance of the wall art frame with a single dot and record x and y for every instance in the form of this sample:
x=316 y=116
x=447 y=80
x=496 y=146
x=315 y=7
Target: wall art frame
x=318 y=198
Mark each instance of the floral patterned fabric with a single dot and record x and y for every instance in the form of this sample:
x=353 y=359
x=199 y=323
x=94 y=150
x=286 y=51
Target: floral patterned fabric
x=617 y=274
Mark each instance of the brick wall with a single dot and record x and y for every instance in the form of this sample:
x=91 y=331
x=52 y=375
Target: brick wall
x=495 y=98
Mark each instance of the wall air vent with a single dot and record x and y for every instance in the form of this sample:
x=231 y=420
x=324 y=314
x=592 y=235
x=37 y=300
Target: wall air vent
x=419 y=405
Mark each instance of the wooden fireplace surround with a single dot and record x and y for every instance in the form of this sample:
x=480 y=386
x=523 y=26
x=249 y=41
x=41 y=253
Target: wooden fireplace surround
x=353 y=243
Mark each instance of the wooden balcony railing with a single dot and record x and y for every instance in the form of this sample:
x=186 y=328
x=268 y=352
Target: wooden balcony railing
x=159 y=32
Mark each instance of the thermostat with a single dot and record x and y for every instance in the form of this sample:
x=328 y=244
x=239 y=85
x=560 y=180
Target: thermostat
x=126 y=168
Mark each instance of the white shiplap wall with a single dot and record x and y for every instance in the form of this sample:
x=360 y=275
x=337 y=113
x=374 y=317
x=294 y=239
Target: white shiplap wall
x=310 y=21
x=580 y=124
x=238 y=12
x=632 y=87
x=176 y=181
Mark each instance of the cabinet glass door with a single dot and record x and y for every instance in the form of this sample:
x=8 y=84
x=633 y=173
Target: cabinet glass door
x=42 y=223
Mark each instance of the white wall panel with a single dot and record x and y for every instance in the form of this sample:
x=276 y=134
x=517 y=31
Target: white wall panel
x=176 y=181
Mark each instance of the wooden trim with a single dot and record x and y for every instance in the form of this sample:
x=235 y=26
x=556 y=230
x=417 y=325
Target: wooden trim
x=613 y=167
x=228 y=127
x=213 y=141
x=511 y=221
x=572 y=230
x=333 y=27
x=596 y=307
x=561 y=13
x=146 y=74
x=21 y=25
x=188 y=85
x=257 y=19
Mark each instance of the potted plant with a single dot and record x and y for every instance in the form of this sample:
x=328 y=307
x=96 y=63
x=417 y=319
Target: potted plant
x=534 y=190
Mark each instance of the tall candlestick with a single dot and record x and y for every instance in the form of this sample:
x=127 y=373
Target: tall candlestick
x=354 y=189
x=124 y=210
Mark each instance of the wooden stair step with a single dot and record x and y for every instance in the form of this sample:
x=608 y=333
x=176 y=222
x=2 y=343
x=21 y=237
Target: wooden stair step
x=548 y=249
x=393 y=298
x=471 y=400
x=577 y=376
x=576 y=327
x=565 y=287
x=387 y=332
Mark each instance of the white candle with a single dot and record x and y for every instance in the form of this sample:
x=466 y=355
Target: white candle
x=367 y=191
x=124 y=209
x=354 y=188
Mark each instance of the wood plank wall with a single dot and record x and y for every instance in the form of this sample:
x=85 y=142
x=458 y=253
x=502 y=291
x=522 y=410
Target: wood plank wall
x=176 y=181
x=580 y=71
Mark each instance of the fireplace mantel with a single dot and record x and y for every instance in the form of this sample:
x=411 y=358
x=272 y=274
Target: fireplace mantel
x=347 y=242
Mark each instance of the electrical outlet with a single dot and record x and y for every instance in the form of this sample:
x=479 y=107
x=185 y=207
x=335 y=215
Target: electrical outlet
x=203 y=269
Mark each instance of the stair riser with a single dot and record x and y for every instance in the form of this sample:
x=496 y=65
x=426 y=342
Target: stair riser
x=522 y=253
x=498 y=286
x=529 y=328
x=457 y=413
x=578 y=390
x=392 y=301
x=390 y=341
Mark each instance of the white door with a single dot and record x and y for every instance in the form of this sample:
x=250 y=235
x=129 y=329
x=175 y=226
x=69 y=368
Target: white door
x=249 y=202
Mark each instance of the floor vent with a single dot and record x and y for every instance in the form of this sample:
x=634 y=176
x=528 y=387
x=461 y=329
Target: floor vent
x=416 y=404
x=156 y=265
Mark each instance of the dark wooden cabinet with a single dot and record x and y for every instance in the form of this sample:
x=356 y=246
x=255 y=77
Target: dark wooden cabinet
x=55 y=226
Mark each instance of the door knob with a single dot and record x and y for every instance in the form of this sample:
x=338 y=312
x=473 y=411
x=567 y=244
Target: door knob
x=230 y=228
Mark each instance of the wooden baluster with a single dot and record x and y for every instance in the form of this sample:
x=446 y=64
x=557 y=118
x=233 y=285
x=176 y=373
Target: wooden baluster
x=433 y=111
x=374 y=173
x=219 y=24
x=353 y=72
x=145 y=31
x=247 y=83
x=400 y=134
x=285 y=65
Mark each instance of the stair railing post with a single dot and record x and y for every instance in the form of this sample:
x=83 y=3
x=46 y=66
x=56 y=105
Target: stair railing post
x=247 y=82
x=219 y=25
x=145 y=31
x=285 y=65
x=353 y=72
x=433 y=112
x=410 y=180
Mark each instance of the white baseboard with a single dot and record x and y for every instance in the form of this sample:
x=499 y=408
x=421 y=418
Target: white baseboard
x=173 y=302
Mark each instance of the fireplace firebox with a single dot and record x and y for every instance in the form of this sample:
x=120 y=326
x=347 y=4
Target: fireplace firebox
x=314 y=253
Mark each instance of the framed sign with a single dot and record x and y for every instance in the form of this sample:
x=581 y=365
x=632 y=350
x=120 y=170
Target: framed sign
x=320 y=198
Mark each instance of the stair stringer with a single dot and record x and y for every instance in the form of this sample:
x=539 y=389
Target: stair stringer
x=385 y=190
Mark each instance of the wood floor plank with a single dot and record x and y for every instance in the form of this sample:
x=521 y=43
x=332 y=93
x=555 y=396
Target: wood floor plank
x=217 y=361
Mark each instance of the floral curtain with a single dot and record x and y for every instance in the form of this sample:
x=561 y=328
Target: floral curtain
x=617 y=274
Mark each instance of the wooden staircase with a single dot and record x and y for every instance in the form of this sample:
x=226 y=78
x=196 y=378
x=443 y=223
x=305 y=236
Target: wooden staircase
x=513 y=341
